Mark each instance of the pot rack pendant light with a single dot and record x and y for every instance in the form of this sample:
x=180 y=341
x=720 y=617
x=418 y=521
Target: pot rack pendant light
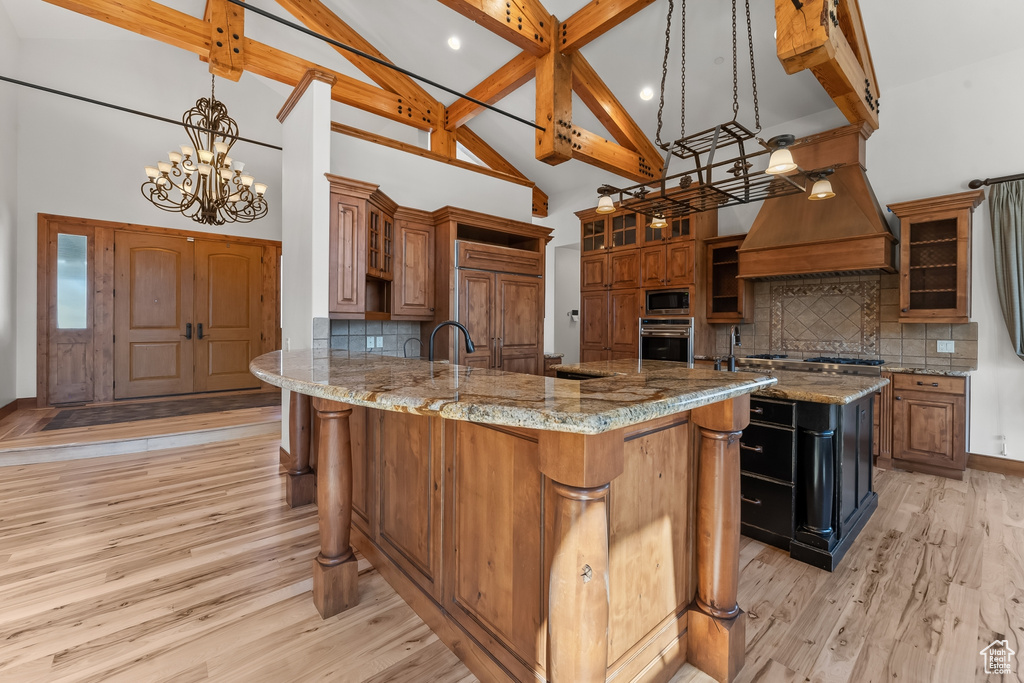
x=822 y=187
x=718 y=163
x=203 y=182
x=605 y=204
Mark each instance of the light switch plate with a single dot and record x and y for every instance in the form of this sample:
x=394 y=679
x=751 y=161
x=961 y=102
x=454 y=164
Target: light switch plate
x=944 y=346
x=369 y=343
x=380 y=342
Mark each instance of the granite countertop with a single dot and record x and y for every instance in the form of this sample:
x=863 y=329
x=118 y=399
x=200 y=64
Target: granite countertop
x=795 y=386
x=458 y=392
x=549 y=354
x=946 y=372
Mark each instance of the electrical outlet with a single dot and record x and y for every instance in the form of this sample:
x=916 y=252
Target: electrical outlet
x=287 y=343
x=380 y=342
x=369 y=343
x=944 y=346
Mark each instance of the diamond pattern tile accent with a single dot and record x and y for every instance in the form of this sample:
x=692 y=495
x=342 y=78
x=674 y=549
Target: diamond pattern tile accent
x=825 y=318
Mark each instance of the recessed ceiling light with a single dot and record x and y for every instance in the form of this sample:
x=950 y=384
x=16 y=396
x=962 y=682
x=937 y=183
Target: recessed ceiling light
x=454 y=43
x=646 y=94
x=719 y=60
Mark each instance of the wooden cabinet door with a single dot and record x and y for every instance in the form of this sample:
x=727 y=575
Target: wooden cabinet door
x=593 y=323
x=154 y=275
x=476 y=298
x=624 y=269
x=413 y=284
x=347 y=256
x=594 y=272
x=929 y=428
x=228 y=278
x=652 y=266
x=518 y=307
x=624 y=323
x=679 y=263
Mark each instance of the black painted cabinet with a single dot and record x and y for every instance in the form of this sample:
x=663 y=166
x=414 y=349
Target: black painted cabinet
x=806 y=476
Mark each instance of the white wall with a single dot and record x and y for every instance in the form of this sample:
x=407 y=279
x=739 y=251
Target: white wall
x=935 y=136
x=9 y=45
x=106 y=150
x=419 y=183
x=567 y=298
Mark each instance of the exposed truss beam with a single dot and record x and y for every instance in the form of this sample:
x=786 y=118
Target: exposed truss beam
x=594 y=19
x=610 y=112
x=811 y=38
x=610 y=156
x=318 y=17
x=227 y=30
x=524 y=23
x=554 y=107
x=508 y=78
x=149 y=19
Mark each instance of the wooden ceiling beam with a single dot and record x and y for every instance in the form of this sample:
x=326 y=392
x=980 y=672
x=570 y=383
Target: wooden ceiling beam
x=524 y=23
x=508 y=78
x=227 y=30
x=318 y=17
x=594 y=19
x=554 y=107
x=149 y=19
x=488 y=156
x=592 y=149
x=811 y=38
x=278 y=65
x=610 y=112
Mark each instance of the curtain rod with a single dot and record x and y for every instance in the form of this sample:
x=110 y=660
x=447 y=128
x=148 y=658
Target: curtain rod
x=129 y=111
x=382 y=62
x=976 y=183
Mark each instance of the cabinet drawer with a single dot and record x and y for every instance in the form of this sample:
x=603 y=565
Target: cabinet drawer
x=497 y=258
x=768 y=451
x=946 y=385
x=773 y=412
x=767 y=505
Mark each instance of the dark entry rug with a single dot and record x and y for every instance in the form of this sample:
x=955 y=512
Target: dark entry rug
x=105 y=415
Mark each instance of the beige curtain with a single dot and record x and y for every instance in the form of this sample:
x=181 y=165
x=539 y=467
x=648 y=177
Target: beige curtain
x=1006 y=208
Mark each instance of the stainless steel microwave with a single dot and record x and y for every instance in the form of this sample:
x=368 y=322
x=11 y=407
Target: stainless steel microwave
x=667 y=301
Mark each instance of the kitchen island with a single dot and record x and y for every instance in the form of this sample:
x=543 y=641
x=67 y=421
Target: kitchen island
x=545 y=529
x=806 y=483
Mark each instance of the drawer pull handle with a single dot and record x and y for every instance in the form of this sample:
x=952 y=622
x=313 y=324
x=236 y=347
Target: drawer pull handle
x=934 y=384
x=756 y=449
x=757 y=411
x=752 y=501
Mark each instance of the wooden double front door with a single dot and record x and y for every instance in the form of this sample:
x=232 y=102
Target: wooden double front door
x=186 y=314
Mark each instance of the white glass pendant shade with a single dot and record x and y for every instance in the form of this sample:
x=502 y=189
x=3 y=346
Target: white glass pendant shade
x=780 y=163
x=238 y=165
x=220 y=147
x=174 y=157
x=605 y=204
x=822 y=190
x=165 y=167
x=152 y=171
x=247 y=180
x=225 y=174
x=260 y=188
x=659 y=222
x=187 y=151
x=205 y=156
x=205 y=169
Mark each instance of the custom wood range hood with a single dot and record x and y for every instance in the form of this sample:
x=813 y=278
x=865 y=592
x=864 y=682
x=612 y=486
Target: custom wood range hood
x=792 y=236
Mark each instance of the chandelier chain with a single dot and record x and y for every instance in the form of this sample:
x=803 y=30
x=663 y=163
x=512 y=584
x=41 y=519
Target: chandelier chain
x=735 y=76
x=682 y=71
x=664 y=69
x=753 y=72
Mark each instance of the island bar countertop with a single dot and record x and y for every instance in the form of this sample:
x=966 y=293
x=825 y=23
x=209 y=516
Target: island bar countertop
x=795 y=386
x=458 y=392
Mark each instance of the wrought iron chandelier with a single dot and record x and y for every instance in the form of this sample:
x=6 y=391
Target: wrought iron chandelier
x=202 y=181
x=709 y=181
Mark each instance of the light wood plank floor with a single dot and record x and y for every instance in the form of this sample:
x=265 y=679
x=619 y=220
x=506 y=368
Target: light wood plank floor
x=186 y=565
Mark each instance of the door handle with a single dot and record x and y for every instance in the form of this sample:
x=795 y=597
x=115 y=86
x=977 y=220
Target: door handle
x=188 y=330
x=756 y=449
x=501 y=347
x=199 y=331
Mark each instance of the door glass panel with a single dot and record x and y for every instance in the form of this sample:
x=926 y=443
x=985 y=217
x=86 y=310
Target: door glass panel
x=72 y=274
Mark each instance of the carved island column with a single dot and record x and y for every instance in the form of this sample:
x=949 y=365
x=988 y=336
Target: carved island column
x=581 y=468
x=716 y=624
x=300 y=489
x=335 y=577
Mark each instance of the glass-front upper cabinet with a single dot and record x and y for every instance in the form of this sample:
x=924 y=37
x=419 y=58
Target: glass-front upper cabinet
x=593 y=237
x=624 y=230
x=676 y=228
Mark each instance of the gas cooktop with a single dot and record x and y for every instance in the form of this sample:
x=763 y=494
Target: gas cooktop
x=823 y=365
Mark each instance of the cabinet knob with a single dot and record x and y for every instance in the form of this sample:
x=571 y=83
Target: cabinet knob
x=905 y=310
x=899 y=398
x=431 y=310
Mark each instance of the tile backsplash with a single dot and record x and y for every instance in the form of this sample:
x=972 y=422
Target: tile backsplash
x=854 y=316
x=351 y=335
